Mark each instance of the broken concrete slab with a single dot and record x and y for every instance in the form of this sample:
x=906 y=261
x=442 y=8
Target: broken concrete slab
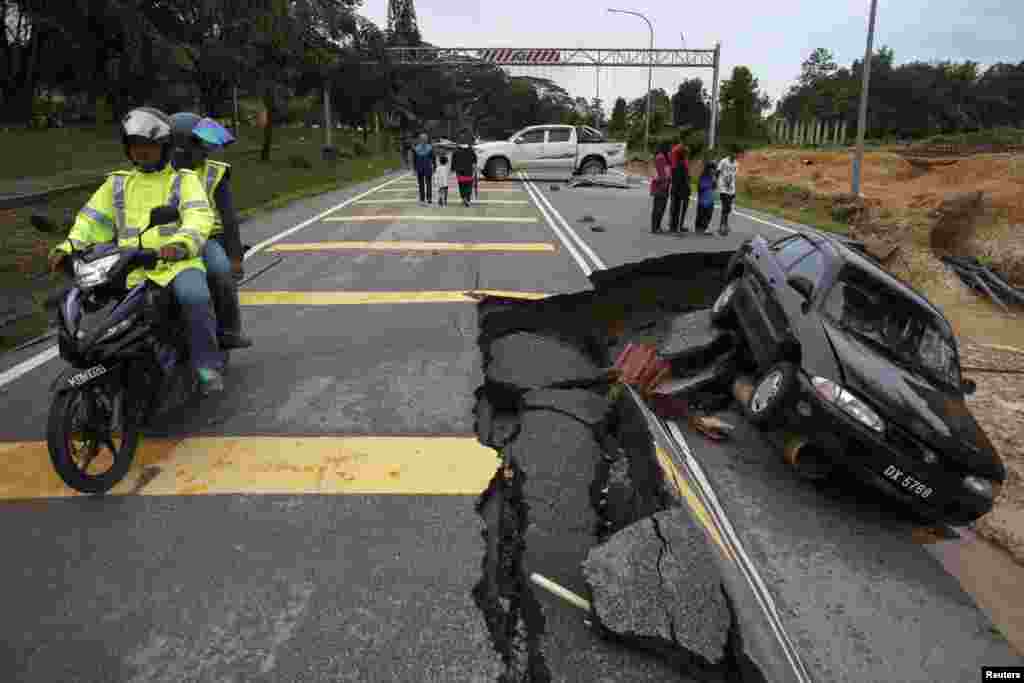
x=585 y=406
x=689 y=338
x=656 y=581
x=494 y=428
x=530 y=361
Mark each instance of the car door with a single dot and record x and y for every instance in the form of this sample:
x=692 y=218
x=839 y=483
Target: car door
x=529 y=147
x=767 y=321
x=559 y=150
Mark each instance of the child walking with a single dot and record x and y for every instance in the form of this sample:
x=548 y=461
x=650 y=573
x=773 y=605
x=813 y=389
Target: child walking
x=705 y=198
x=441 y=180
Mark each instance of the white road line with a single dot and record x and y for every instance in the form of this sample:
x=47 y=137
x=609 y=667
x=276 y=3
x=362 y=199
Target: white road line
x=30 y=364
x=760 y=220
x=306 y=223
x=439 y=217
x=570 y=247
x=416 y=201
x=572 y=233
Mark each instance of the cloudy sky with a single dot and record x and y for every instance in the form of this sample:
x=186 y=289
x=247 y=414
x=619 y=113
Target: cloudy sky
x=772 y=38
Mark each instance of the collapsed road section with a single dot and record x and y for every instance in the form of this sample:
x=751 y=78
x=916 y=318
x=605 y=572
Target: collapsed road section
x=590 y=400
x=582 y=499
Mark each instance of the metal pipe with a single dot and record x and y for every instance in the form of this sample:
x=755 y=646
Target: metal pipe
x=862 y=117
x=650 y=75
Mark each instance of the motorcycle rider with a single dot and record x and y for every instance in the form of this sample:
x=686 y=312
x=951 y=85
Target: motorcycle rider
x=190 y=152
x=120 y=208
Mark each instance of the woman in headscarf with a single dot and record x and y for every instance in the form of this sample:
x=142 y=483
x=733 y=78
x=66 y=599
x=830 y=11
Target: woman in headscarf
x=660 y=185
x=464 y=164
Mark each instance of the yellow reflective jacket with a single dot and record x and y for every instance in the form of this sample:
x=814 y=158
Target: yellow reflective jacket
x=212 y=173
x=123 y=203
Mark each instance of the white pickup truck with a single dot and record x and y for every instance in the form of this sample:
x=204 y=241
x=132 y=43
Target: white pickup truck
x=561 y=149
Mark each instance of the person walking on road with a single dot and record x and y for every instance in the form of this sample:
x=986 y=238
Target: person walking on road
x=441 y=180
x=727 y=170
x=660 y=184
x=680 y=188
x=424 y=160
x=705 y=198
x=464 y=164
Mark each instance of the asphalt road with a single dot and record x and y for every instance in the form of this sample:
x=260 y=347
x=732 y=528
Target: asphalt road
x=316 y=521
x=360 y=568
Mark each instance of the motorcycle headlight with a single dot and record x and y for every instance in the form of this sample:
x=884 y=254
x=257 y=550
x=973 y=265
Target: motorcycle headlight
x=838 y=396
x=95 y=272
x=979 y=486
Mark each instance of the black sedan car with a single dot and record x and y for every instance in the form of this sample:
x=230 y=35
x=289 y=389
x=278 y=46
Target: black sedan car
x=864 y=368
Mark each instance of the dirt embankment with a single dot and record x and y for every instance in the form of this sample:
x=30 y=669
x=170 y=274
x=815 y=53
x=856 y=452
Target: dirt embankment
x=915 y=210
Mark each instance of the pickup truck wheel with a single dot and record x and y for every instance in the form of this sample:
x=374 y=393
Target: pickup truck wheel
x=772 y=393
x=592 y=167
x=497 y=168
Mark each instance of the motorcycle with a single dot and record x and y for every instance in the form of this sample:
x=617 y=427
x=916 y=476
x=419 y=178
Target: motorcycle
x=129 y=362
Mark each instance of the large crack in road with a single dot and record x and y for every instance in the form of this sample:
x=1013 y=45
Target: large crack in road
x=579 y=497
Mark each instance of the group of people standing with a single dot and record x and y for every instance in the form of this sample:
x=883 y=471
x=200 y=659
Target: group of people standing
x=433 y=170
x=672 y=182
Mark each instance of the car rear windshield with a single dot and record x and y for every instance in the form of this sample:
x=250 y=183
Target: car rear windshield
x=893 y=324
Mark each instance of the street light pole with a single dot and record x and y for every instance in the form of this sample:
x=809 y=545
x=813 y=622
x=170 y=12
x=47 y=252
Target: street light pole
x=862 y=117
x=650 y=74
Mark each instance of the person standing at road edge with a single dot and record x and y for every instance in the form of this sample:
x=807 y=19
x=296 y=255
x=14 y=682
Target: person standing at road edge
x=660 y=184
x=727 y=170
x=424 y=161
x=441 y=180
x=680 y=188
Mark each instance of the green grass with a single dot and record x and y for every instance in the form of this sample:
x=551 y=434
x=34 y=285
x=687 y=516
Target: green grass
x=257 y=187
x=791 y=202
x=70 y=153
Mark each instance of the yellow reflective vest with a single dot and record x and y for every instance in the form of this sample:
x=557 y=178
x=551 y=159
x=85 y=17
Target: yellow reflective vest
x=212 y=172
x=121 y=208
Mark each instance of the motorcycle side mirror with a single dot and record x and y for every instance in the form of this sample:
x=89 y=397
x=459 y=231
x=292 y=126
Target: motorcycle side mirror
x=42 y=223
x=969 y=386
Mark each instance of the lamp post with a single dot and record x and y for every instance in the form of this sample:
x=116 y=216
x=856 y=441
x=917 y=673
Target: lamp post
x=862 y=118
x=650 y=73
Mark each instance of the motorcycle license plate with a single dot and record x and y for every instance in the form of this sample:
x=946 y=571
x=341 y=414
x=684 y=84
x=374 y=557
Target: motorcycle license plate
x=907 y=482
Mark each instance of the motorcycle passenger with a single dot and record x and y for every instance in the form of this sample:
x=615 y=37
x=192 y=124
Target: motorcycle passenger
x=191 y=152
x=120 y=208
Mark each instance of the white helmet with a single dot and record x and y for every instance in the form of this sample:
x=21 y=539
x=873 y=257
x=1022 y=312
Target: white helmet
x=149 y=125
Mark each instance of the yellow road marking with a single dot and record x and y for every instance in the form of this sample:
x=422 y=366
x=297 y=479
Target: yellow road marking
x=416 y=246
x=270 y=298
x=677 y=480
x=417 y=201
x=436 y=218
x=443 y=465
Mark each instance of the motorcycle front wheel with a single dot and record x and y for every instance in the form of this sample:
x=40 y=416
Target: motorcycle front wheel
x=92 y=434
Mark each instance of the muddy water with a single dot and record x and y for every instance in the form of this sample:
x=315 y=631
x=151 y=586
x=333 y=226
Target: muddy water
x=990 y=576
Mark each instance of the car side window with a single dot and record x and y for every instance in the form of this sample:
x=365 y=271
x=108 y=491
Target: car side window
x=792 y=250
x=532 y=137
x=559 y=134
x=811 y=266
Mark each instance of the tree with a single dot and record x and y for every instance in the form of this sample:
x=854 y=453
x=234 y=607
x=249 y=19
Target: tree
x=819 y=65
x=617 y=125
x=742 y=105
x=690 y=105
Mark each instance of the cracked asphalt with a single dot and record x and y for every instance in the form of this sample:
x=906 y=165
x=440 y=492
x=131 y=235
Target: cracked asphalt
x=362 y=571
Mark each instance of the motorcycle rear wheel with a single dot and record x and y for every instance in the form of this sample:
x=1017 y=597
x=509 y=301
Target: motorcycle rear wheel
x=82 y=416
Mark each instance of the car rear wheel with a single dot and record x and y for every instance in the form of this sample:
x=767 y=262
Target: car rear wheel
x=722 y=313
x=497 y=168
x=771 y=395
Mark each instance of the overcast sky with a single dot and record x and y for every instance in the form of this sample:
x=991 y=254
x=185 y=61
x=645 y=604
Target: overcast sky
x=772 y=38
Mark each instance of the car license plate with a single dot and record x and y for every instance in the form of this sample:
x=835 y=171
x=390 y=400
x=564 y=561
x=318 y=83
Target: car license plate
x=907 y=482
